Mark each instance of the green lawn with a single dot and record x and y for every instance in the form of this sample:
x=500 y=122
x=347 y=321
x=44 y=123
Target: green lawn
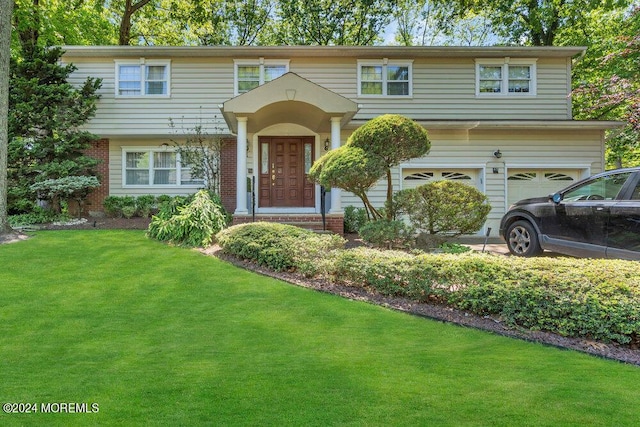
x=157 y=335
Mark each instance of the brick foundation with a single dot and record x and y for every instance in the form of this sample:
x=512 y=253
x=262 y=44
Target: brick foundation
x=100 y=151
x=334 y=222
x=228 y=163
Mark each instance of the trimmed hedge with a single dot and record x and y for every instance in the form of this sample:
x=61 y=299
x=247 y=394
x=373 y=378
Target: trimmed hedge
x=280 y=247
x=597 y=299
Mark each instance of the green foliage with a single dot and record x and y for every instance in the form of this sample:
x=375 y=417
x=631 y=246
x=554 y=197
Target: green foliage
x=391 y=139
x=144 y=205
x=335 y=22
x=596 y=299
x=368 y=155
x=280 y=247
x=36 y=216
x=45 y=116
x=354 y=219
x=387 y=234
x=454 y=248
x=444 y=208
x=62 y=189
x=351 y=169
x=194 y=224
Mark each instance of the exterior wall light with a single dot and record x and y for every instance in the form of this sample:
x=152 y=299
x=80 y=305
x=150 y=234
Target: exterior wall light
x=326 y=144
x=497 y=154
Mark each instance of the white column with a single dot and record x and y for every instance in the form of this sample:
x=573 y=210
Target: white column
x=241 y=167
x=336 y=203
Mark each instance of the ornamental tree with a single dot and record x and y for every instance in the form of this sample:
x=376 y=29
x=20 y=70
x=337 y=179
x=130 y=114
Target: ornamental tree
x=351 y=169
x=392 y=139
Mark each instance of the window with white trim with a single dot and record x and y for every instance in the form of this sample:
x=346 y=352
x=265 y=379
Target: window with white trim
x=251 y=74
x=142 y=78
x=505 y=77
x=384 y=78
x=156 y=167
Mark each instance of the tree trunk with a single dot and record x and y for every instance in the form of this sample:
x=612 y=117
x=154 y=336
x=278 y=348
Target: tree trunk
x=125 y=25
x=6 y=9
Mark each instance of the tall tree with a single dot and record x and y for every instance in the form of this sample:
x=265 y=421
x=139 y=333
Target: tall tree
x=332 y=22
x=608 y=80
x=59 y=22
x=533 y=22
x=129 y=9
x=45 y=114
x=6 y=9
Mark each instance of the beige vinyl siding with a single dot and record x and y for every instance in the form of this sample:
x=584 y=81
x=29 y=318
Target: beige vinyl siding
x=445 y=89
x=442 y=89
x=198 y=86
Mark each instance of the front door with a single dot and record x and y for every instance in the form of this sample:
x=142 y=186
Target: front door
x=284 y=164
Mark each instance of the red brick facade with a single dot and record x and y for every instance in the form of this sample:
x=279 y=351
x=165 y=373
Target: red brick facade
x=100 y=151
x=228 y=162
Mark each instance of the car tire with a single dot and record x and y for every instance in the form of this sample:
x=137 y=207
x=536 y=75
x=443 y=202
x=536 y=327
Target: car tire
x=522 y=239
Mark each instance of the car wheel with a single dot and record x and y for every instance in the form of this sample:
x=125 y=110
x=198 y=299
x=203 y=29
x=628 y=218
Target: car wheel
x=522 y=239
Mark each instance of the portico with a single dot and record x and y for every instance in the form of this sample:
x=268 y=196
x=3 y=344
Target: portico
x=280 y=128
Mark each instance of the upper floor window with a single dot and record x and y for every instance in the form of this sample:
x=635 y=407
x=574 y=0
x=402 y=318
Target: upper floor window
x=156 y=167
x=142 y=78
x=505 y=76
x=384 y=78
x=251 y=74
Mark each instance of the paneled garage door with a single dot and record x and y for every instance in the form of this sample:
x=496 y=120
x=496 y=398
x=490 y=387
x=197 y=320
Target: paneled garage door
x=527 y=183
x=412 y=178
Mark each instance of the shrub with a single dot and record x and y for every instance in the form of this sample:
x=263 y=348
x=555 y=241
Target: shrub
x=193 y=224
x=387 y=234
x=144 y=204
x=279 y=247
x=37 y=216
x=354 y=218
x=571 y=297
x=60 y=190
x=444 y=208
x=112 y=206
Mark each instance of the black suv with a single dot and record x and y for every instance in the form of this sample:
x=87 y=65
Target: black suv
x=598 y=217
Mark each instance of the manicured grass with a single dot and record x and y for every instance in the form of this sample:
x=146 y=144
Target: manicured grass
x=158 y=335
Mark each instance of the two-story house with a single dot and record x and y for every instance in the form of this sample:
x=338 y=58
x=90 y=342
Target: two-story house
x=499 y=119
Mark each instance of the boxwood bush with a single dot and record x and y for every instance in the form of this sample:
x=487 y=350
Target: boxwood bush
x=596 y=299
x=280 y=247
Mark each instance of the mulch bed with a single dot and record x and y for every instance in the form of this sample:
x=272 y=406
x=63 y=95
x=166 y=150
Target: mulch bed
x=442 y=313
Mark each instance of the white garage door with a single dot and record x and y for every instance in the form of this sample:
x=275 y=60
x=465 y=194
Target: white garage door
x=527 y=183
x=412 y=178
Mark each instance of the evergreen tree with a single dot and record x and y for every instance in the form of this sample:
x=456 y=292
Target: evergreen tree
x=45 y=118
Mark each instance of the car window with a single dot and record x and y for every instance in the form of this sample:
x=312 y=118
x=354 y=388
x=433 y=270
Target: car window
x=603 y=188
x=636 y=192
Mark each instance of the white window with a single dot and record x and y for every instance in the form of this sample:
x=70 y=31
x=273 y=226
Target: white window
x=507 y=76
x=385 y=78
x=142 y=78
x=160 y=167
x=251 y=74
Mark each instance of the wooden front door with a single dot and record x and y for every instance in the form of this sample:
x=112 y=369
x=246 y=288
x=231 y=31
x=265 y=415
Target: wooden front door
x=284 y=164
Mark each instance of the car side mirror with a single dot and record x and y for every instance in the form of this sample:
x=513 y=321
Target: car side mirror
x=556 y=197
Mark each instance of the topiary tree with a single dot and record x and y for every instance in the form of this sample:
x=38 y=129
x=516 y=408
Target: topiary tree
x=352 y=169
x=392 y=139
x=444 y=209
x=61 y=190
